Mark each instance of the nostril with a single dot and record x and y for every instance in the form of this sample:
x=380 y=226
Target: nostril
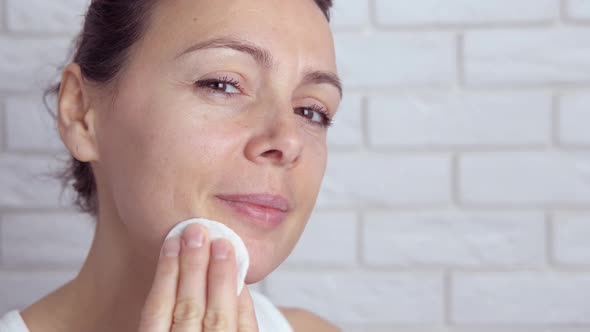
x=273 y=154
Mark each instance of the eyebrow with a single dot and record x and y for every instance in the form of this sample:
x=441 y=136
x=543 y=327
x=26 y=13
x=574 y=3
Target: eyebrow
x=323 y=77
x=264 y=58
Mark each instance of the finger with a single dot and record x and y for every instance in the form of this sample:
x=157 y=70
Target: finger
x=246 y=315
x=156 y=314
x=192 y=291
x=222 y=302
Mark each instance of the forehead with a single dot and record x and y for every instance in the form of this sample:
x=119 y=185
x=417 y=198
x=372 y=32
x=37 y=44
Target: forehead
x=295 y=29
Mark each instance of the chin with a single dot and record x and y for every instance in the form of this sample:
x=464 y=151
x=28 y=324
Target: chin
x=262 y=263
x=257 y=273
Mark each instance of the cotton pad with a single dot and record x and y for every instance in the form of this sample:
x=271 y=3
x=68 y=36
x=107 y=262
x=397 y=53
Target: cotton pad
x=217 y=230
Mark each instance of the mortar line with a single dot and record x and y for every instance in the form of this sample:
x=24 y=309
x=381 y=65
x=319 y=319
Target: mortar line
x=360 y=223
x=366 y=144
x=555 y=113
x=373 y=22
x=3 y=126
x=455 y=180
x=447 y=300
x=4 y=15
x=549 y=243
x=563 y=12
x=495 y=87
x=460 y=59
x=1 y=238
x=451 y=27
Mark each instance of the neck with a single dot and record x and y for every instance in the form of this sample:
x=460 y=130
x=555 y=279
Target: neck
x=109 y=291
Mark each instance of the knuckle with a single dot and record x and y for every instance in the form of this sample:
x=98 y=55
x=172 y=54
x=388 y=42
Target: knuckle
x=167 y=269
x=193 y=264
x=215 y=321
x=187 y=310
x=248 y=327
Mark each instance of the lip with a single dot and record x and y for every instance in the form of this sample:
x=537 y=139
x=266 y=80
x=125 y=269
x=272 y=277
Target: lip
x=266 y=210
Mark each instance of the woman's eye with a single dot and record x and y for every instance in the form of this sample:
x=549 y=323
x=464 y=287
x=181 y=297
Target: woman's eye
x=225 y=86
x=315 y=114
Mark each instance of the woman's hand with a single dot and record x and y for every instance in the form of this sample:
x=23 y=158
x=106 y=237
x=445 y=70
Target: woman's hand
x=194 y=288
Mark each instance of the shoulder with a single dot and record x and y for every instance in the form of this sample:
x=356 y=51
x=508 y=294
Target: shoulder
x=303 y=320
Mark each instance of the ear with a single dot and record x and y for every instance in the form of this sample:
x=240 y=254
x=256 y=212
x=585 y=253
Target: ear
x=75 y=118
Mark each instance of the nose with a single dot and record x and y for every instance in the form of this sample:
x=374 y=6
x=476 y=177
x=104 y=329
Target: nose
x=278 y=140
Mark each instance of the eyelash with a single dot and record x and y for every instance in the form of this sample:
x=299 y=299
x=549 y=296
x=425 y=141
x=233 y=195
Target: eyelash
x=328 y=122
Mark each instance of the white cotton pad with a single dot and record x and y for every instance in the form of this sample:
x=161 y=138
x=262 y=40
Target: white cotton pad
x=217 y=230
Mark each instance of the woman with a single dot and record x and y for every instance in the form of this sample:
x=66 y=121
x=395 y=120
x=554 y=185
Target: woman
x=190 y=108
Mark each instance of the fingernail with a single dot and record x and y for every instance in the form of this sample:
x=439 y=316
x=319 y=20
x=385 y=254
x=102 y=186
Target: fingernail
x=194 y=237
x=220 y=249
x=171 y=247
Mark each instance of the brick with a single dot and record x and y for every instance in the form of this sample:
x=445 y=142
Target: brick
x=525 y=178
x=571 y=232
x=454 y=239
x=30 y=64
x=574 y=114
x=521 y=298
x=46 y=16
x=399 y=12
x=25 y=182
x=464 y=120
x=328 y=239
x=349 y=14
x=21 y=289
x=29 y=126
x=578 y=9
x=347 y=131
x=64 y=238
x=373 y=179
x=401 y=59
x=361 y=298
x=527 y=56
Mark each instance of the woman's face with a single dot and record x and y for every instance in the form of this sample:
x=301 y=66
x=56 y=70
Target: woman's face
x=239 y=113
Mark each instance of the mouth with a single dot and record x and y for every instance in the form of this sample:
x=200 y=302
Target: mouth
x=264 y=210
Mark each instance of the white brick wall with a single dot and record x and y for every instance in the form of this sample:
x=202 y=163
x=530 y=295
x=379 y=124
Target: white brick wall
x=457 y=194
x=397 y=12
x=381 y=179
x=574 y=113
x=442 y=239
x=47 y=16
x=29 y=63
x=525 y=178
x=348 y=133
x=578 y=9
x=26 y=116
x=446 y=119
x=571 y=234
x=342 y=249
x=363 y=298
x=401 y=59
x=520 y=298
x=532 y=56
x=59 y=239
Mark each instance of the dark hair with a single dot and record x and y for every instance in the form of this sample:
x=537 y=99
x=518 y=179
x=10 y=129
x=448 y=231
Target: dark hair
x=111 y=28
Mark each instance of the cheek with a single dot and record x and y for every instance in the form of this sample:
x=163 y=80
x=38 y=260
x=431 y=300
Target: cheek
x=157 y=163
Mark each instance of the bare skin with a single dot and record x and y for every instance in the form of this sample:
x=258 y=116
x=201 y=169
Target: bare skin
x=163 y=148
